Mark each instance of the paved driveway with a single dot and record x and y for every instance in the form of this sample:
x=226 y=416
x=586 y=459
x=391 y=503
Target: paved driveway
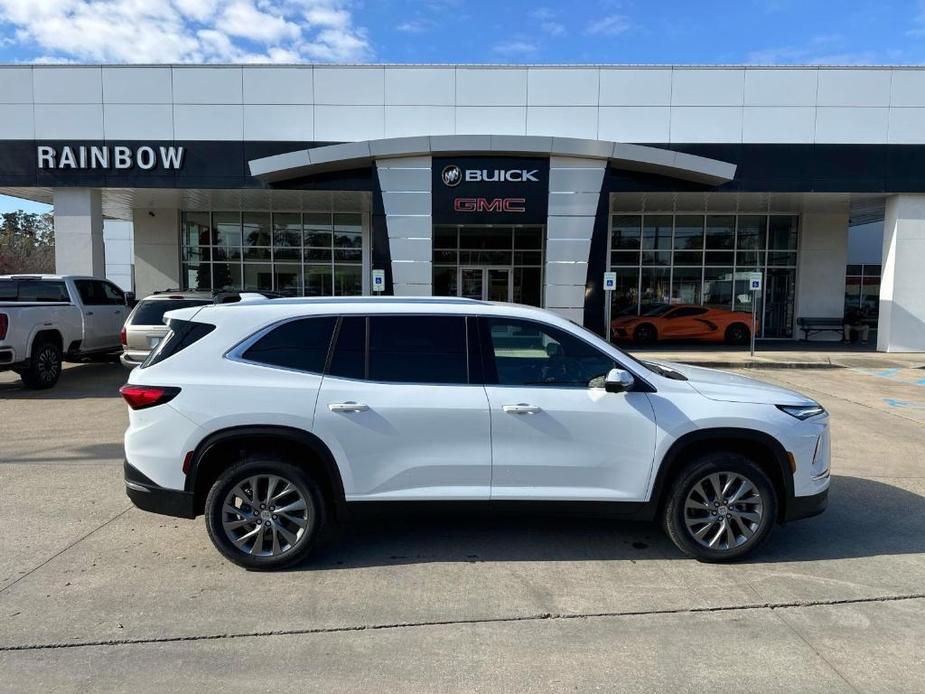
x=95 y=595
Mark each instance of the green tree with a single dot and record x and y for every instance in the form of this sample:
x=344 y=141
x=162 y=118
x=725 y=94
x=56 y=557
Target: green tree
x=27 y=242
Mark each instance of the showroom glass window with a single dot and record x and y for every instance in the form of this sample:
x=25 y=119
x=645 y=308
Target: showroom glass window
x=517 y=250
x=862 y=290
x=293 y=253
x=705 y=259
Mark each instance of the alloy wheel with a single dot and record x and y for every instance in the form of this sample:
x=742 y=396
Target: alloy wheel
x=723 y=511
x=47 y=364
x=265 y=515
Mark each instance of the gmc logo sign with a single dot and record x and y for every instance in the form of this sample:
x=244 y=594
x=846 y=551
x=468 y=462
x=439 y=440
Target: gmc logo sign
x=493 y=205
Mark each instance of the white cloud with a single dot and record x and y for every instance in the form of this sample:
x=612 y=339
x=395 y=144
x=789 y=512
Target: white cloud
x=416 y=26
x=515 y=48
x=610 y=25
x=163 y=31
x=242 y=19
x=824 y=49
x=548 y=21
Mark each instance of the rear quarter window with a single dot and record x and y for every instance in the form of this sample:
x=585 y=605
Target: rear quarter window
x=300 y=344
x=151 y=312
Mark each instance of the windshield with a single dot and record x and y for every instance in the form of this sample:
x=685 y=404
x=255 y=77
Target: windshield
x=152 y=312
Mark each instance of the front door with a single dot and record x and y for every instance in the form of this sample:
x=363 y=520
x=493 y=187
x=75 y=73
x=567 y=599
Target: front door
x=556 y=434
x=485 y=283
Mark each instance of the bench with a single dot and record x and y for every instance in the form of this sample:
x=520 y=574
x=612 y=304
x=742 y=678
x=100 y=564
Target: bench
x=811 y=326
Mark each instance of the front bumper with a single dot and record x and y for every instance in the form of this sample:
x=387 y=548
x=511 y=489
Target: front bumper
x=149 y=496
x=806 y=506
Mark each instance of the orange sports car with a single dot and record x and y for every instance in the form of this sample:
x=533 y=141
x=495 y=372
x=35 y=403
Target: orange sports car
x=684 y=322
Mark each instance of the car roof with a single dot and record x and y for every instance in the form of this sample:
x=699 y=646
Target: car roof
x=161 y=296
x=264 y=311
x=46 y=276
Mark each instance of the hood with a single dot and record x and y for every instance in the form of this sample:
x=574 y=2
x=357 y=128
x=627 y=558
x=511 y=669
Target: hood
x=729 y=387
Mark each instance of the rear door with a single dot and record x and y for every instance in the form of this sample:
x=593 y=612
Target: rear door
x=402 y=412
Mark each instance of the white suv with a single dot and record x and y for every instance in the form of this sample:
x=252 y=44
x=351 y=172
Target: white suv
x=270 y=417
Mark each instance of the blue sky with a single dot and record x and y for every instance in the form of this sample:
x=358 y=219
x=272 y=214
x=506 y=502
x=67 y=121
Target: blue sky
x=773 y=32
x=476 y=31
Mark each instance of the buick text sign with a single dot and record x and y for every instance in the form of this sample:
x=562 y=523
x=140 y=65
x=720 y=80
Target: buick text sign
x=490 y=190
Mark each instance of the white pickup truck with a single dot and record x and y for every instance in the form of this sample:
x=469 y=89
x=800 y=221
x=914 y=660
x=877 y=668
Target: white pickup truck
x=47 y=319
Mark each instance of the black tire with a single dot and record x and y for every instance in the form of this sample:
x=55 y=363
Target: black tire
x=241 y=474
x=44 y=365
x=738 y=334
x=676 y=514
x=645 y=334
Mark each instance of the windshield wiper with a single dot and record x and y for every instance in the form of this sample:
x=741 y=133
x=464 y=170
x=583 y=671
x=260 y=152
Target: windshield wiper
x=664 y=371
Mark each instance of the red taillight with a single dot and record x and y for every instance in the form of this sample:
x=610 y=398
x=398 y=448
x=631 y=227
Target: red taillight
x=140 y=397
x=4 y=324
x=122 y=337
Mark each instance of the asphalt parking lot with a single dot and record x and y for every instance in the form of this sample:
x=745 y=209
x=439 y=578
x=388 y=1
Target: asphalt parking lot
x=96 y=595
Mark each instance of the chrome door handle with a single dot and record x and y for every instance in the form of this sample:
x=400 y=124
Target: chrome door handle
x=348 y=407
x=521 y=408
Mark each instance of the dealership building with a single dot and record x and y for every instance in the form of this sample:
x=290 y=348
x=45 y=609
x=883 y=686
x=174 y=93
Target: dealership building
x=508 y=183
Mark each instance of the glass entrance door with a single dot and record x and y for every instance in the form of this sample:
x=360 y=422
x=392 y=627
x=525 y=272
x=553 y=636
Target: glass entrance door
x=485 y=283
x=471 y=283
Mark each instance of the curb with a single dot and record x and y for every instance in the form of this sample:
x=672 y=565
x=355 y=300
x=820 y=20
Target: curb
x=764 y=364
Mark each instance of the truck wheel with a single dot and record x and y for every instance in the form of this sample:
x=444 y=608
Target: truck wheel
x=44 y=366
x=264 y=514
x=720 y=508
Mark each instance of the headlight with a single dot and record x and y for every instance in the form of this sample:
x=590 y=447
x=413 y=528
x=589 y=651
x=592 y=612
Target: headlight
x=802 y=411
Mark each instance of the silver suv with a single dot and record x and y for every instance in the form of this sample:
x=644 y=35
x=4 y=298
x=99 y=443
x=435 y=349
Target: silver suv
x=145 y=327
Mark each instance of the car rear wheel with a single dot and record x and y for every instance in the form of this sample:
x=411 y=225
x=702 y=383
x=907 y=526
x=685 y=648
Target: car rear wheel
x=645 y=334
x=264 y=514
x=737 y=334
x=44 y=366
x=720 y=508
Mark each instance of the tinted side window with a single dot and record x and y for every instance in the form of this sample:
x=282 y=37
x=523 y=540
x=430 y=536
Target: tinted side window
x=112 y=294
x=349 y=358
x=529 y=354
x=687 y=312
x=152 y=312
x=299 y=344
x=418 y=349
x=182 y=334
x=8 y=290
x=90 y=293
x=42 y=291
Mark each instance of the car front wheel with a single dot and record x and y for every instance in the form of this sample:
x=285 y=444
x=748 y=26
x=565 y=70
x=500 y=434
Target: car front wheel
x=645 y=334
x=720 y=508
x=264 y=514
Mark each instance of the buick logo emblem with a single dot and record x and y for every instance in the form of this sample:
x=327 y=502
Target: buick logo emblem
x=451 y=175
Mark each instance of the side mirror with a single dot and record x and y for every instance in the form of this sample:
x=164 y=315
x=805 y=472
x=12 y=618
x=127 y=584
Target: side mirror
x=618 y=381
x=130 y=299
